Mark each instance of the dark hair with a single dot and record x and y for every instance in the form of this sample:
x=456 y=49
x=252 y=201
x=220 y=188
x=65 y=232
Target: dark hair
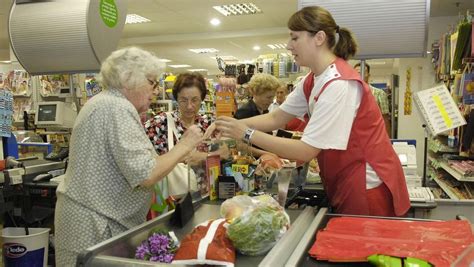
x=189 y=79
x=314 y=19
x=367 y=67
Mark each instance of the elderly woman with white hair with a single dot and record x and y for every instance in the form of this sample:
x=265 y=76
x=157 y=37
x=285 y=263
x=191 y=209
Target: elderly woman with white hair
x=113 y=165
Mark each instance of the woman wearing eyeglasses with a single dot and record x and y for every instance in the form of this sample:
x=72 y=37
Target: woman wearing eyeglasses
x=112 y=165
x=189 y=91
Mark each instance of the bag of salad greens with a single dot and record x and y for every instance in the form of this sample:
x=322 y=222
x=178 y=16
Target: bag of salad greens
x=255 y=223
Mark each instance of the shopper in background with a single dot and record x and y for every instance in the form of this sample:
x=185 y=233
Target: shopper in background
x=262 y=88
x=112 y=164
x=281 y=94
x=360 y=170
x=380 y=97
x=289 y=88
x=296 y=124
x=189 y=91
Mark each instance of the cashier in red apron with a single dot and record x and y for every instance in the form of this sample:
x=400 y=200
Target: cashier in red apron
x=361 y=172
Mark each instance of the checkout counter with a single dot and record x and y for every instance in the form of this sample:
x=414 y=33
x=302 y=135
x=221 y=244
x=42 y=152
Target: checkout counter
x=120 y=250
x=291 y=250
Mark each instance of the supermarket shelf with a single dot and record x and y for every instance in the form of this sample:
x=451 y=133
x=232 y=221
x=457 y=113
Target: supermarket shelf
x=438 y=145
x=446 y=189
x=431 y=158
x=445 y=150
x=458 y=176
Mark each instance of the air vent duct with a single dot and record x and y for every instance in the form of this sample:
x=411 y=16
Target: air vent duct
x=65 y=36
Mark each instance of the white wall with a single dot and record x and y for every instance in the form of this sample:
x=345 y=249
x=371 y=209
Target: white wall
x=422 y=77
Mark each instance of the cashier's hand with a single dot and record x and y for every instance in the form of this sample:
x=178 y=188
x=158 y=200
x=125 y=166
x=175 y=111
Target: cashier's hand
x=211 y=132
x=192 y=137
x=230 y=127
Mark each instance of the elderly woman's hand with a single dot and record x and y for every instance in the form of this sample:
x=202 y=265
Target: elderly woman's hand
x=192 y=137
x=230 y=127
x=211 y=132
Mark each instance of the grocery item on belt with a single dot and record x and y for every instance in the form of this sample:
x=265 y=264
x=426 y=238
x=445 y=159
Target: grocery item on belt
x=255 y=223
x=206 y=244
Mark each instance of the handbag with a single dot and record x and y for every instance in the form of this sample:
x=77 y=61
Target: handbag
x=182 y=178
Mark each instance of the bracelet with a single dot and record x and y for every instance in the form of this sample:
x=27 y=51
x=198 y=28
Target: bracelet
x=248 y=134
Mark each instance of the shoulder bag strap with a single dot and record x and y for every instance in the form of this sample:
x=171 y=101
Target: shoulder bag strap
x=172 y=129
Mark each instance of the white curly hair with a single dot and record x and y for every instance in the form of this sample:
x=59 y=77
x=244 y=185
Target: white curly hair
x=129 y=68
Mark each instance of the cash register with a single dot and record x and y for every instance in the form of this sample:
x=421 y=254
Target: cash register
x=30 y=192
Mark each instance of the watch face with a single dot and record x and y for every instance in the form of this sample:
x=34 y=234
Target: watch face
x=248 y=134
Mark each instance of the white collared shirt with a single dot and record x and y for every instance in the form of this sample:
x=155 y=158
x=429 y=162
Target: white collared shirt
x=332 y=115
x=273 y=106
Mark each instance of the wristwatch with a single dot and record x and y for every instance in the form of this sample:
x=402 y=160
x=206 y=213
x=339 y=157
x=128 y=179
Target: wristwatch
x=248 y=134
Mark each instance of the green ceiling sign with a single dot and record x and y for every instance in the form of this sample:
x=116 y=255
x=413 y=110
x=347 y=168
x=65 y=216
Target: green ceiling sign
x=108 y=12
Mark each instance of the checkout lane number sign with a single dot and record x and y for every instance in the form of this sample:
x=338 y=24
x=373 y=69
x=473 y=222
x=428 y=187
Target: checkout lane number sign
x=108 y=12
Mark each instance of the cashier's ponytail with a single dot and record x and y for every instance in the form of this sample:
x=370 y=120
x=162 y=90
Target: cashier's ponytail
x=314 y=19
x=346 y=46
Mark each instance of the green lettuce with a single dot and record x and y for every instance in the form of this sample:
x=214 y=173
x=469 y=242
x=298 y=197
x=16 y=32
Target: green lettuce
x=256 y=232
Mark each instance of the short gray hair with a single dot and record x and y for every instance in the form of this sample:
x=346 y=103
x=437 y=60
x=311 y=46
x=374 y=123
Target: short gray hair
x=129 y=68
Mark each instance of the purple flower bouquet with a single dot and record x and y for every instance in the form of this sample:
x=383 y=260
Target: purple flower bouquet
x=159 y=247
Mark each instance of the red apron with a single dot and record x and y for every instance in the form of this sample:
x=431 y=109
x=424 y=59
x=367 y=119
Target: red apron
x=343 y=172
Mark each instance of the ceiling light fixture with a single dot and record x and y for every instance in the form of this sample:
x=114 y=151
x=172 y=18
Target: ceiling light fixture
x=238 y=9
x=376 y=62
x=196 y=70
x=215 y=21
x=277 y=46
x=256 y=48
x=164 y=60
x=227 y=58
x=179 y=66
x=135 y=18
x=247 y=61
x=6 y=61
x=203 y=50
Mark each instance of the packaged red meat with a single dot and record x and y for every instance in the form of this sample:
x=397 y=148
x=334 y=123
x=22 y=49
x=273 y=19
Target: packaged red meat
x=354 y=239
x=206 y=244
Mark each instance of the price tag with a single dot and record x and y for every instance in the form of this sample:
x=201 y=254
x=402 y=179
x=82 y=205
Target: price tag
x=244 y=169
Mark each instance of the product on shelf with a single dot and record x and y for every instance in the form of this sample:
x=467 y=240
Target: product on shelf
x=51 y=85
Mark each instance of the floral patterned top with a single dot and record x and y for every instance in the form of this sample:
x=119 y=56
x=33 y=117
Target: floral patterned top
x=157 y=129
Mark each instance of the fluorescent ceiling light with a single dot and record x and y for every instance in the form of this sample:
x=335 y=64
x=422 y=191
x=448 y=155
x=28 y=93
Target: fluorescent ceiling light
x=227 y=58
x=164 y=60
x=134 y=18
x=203 y=50
x=179 y=66
x=195 y=70
x=277 y=46
x=376 y=62
x=6 y=61
x=215 y=21
x=247 y=61
x=256 y=48
x=238 y=9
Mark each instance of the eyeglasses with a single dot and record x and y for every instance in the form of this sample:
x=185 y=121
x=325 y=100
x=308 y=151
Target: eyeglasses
x=154 y=83
x=194 y=101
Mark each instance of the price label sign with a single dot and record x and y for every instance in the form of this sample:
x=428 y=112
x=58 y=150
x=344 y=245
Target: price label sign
x=244 y=169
